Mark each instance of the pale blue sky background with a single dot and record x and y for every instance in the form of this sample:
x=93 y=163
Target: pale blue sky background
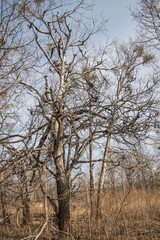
x=120 y=22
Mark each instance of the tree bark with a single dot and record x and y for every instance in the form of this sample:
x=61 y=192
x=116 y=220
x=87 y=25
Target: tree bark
x=26 y=208
x=63 y=191
x=4 y=214
x=91 y=180
x=4 y=208
x=102 y=174
x=63 y=203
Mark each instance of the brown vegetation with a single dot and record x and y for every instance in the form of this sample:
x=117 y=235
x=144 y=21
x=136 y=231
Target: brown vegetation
x=133 y=215
x=78 y=124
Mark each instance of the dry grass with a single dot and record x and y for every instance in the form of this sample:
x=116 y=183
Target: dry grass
x=134 y=215
x=138 y=217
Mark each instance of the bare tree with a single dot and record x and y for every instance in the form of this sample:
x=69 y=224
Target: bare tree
x=76 y=99
x=147 y=16
x=57 y=134
x=130 y=103
x=11 y=69
x=14 y=61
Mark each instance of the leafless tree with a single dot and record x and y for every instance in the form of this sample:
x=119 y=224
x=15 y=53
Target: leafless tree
x=15 y=59
x=76 y=99
x=57 y=132
x=130 y=103
x=147 y=15
x=12 y=47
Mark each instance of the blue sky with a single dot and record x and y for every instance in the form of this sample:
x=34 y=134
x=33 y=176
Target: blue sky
x=120 y=24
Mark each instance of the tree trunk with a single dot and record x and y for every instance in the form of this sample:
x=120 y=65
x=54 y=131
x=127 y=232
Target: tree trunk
x=112 y=178
x=91 y=181
x=63 y=191
x=26 y=209
x=63 y=203
x=3 y=206
x=103 y=171
x=92 y=207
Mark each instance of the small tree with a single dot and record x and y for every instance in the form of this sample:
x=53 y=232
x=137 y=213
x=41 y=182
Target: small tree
x=129 y=105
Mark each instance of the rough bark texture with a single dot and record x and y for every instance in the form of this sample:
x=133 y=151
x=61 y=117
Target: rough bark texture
x=63 y=203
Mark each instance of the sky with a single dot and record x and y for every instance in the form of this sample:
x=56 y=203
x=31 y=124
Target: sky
x=120 y=24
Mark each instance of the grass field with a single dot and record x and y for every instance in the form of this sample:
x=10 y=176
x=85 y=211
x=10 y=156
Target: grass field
x=134 y=215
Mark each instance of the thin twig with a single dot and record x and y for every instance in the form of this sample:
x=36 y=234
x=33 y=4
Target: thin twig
x=62 y=232
x=41 y=230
